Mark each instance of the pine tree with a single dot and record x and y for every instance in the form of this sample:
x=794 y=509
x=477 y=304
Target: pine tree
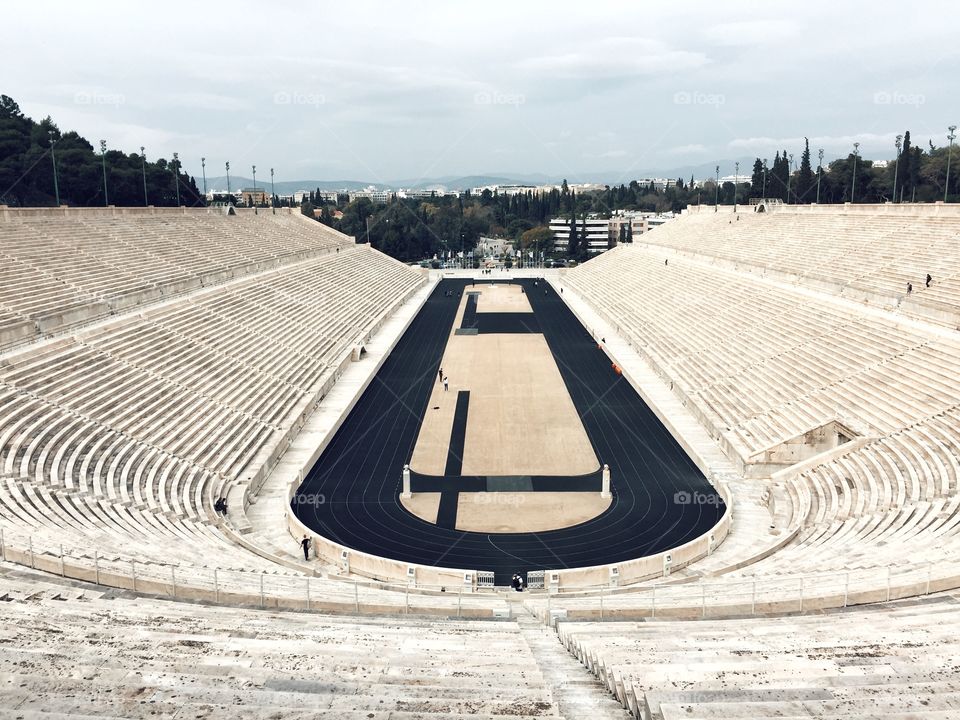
x=756 y=179
x=909 y=179
x=805 y=177
x=573 y=242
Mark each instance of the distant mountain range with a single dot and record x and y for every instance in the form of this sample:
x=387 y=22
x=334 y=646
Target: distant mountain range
x=463 y=182
x=219 y=184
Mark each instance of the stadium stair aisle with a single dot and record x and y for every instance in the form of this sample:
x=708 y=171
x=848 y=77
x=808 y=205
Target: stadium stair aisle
x=575 y=692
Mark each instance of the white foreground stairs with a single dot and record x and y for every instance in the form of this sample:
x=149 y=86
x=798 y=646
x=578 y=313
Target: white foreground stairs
x=576 y=692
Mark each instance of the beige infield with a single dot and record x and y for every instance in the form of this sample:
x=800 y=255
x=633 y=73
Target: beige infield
x=521 y=421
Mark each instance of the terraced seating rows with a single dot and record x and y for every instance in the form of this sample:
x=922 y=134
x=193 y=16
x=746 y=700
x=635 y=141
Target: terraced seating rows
x=859 y=254
x=115 y=441
x=890 y=661
x=161 y=409
x=888 y=503
x=771 y=363
x=60 y=271
x=87 y=654
x=761 y=362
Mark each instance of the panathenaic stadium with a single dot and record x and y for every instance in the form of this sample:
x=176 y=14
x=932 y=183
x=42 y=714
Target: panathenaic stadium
x=724 y=460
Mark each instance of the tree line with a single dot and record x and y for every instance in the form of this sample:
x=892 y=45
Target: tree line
x=28 y=150
x=413 y=229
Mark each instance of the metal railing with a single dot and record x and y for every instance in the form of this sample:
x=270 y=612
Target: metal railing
x=774 y=594
x=256 y=588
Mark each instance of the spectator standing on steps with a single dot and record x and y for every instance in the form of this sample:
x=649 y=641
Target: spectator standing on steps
x=305 y=544
x=446 y=384
x=440 y=375
x=929 y=279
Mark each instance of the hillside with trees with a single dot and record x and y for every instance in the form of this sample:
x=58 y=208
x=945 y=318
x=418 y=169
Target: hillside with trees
x=28 y=150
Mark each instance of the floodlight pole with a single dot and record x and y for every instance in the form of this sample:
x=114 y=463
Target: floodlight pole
x=203 y=168
x=896 y=165
x=716 y=194
x=53 y=158
x=273 y=194
x=143 y=169
x=736 y=180
x=228 y=179
x=103 y=161
x=176 y=176
x=951 y=137
x=853 y=189
x=253 y=197
x=819 y=172
x=764 y=193
x=789 y=174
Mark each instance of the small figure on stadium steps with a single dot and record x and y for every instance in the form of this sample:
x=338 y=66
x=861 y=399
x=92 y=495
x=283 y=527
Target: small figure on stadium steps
x=909 y=288
x=929 y=279
x=440 y=375
x=305 y=544
x=220 y=506
x=666 y=262
x=446 y=384
x=517 y=582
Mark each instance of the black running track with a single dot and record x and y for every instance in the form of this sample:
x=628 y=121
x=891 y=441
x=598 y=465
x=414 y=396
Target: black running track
x=358 y=476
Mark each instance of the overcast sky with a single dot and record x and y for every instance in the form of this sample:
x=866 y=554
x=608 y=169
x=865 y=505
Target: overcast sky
x=386 y=91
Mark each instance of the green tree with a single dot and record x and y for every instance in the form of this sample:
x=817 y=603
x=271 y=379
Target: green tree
x=805 y=175
x=756 y=179
x=573 y=242
x=539 y=238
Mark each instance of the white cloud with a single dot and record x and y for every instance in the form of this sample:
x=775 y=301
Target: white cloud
x=752 y=32
x=613 y=57
x=390 y=89
x=691 y=149
x=100 y=122
x=843 y=143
